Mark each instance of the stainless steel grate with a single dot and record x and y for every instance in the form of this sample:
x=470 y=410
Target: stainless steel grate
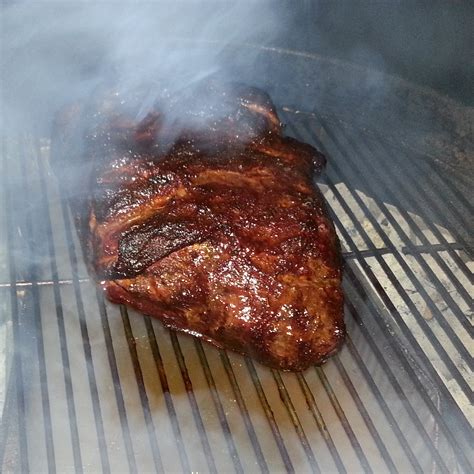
x=91 y=386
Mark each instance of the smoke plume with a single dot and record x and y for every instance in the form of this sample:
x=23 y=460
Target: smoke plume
x=57 y=52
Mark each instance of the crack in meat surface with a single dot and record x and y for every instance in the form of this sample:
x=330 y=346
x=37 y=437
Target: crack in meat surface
x=217 y=231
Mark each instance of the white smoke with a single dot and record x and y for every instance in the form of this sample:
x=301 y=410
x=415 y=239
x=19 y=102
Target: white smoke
x=58 y=52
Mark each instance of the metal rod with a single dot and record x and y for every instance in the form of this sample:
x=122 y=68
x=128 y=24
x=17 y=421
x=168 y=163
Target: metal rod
x=413 y=167
x=409 y=370
x=244 y=411
x=393 y=343
x=346 y=255
x=285 y=397
x=393 y=423
x=454 y=338
x=270 y=417
x=167 y=395
x=365 y=416
x=127 y=437
x=16 y=323
x=220 y=410
x=6 y=416
x=318 y=418
x=24 y=283
x=382 y=179
x=150 y=426
x=70 y=399
x=343 y=419
x=428 y=331
x=99 y=424
x=451 y=195
x=192 y=401
x=37 y=323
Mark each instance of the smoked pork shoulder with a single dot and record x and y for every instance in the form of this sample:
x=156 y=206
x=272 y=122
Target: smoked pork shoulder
x=208 y=220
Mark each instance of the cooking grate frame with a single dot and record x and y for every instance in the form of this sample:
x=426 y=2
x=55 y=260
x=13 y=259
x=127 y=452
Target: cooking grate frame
x=429 y=422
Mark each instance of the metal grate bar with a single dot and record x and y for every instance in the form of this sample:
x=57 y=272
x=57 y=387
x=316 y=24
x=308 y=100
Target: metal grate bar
x=342 y=417
x=396 y=284
x=116 y=383
x=400 y=290
x=16 y=323
x=437 y=183
x=458 y=196
x=22 y=283
x=6 y=420
x=443 y=184
x=391 y=307
x=312 y=405
x=407 y=194
x=167 y=396
x=430 y=249
x=220 y=411
x=394 y=344
x=433 y=248
x=59 y=312
x=340 y=174
x=367 y=419
x=192 y=400
x=105 y=463
x=385 y=409
x=296 y=422
x=244 y=411
x=396 y=386
x=36 y=325
x=270 y=417
x=353 y=424
x=85 y=338
x=409 y=369
x=347 y=255
x=141 y=389
x=433 y=178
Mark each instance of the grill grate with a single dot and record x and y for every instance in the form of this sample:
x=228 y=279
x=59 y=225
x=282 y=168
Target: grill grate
x=93 y=386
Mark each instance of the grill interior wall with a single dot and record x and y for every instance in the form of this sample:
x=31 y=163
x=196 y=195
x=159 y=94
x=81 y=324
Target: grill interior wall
x=94 y=385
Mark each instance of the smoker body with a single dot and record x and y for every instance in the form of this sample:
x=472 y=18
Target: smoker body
x=95 y=387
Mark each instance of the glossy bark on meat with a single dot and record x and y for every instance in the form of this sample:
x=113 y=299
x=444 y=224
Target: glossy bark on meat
x=218 y=230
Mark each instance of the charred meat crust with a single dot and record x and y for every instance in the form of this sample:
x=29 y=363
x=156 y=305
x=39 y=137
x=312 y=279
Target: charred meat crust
x=218 y=230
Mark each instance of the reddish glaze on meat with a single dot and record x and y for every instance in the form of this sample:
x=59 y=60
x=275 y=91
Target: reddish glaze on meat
x=218 y=230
